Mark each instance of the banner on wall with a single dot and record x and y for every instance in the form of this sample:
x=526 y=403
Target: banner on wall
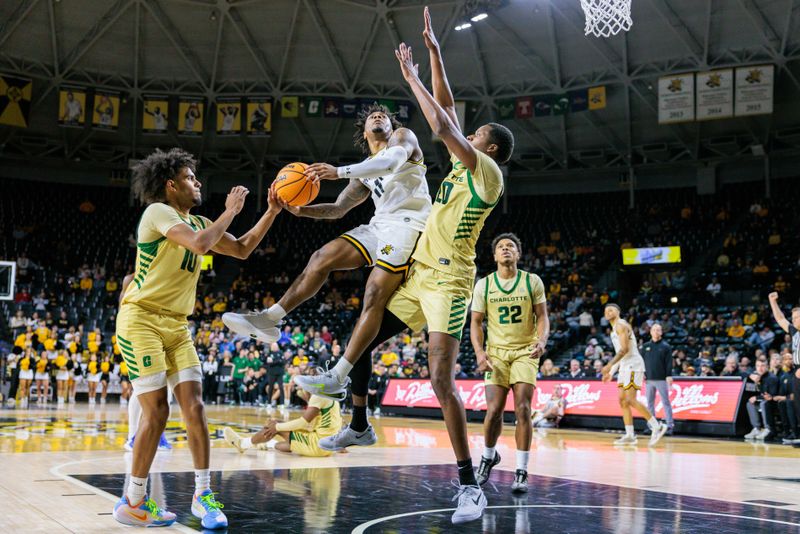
x=229 y=116
x=676 y=98
x=72 y=106
x=290 y=107
x=259 y=116
x=105 y=115
x=692 y=400
x=15 y=100
x=597 y=97
x=754 y=90
x=190 y=116
x=313 y=107
x=155 y=111
x=714 y=94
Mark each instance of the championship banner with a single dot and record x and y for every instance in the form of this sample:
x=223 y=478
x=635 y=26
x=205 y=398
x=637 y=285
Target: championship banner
x=72 y=106
x=105 y=115
x=676 y=98
x=190 y=116
x=155 y=111
x=714 y=95
x=692 y=400
x=229 y=116
x=259 y=116
x=15 y=100
x=754 y=90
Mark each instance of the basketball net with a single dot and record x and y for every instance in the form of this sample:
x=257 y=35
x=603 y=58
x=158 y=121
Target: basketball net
x=605 y=18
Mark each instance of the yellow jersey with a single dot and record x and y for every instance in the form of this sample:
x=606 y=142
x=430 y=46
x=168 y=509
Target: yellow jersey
x=329 y=420
x=41 y=364
x=461 y=207
x=509 y=309
x=166 y=273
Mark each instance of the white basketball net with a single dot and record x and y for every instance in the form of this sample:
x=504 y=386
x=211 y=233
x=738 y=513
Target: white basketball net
x=605 y=18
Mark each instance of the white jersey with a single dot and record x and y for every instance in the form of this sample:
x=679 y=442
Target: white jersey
x=633 y=360
x=401 y=197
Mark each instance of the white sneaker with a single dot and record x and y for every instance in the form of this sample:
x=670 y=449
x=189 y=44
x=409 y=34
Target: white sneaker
x=325 y=384
x=232 y=438
x=657 y=434
x=471 y=502
x=520 y=484
x=753 y=434
x=763 y=434
x=348 y=437
x=123 y=402
x=257 y=325
x=11 y=403
x=626 y=440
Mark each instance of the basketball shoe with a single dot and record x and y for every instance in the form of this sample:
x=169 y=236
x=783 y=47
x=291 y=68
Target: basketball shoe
x=145 y=514
x=657 y=434
x=257 y=325
x=347 y=437
x=471 y=502
x=325 y=384
x=626 y=440
x=485 y=468
x=520 y=484
x=206 y=508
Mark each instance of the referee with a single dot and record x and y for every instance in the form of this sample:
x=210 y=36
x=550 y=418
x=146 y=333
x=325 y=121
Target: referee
x=657 y=356
x=793 y=328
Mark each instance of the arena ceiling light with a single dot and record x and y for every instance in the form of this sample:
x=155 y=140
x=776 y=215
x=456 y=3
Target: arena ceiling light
x=463 y=26
x=479 y=17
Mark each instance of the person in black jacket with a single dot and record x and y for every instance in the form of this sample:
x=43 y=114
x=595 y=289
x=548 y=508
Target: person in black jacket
x=657 y=356
x=275 y=370
x=376 y=387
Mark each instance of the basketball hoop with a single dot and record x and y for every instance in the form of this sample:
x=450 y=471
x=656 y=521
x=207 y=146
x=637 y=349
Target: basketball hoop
x=605 y=18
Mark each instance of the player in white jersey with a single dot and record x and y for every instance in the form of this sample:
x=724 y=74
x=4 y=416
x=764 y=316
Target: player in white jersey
x=394 y=176
x=629 y=365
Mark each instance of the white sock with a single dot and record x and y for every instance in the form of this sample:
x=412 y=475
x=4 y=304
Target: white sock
x=137 y=487
x=342 y=369
x=276 y=312
x=488 y=452
x=522 y=460
x=134 y=413
x=653 y=423
x=202 y=480
x=629 y=430
x=267 y=446
x=246 y=443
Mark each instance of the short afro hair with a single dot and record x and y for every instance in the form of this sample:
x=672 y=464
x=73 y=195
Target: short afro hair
x=508 y=235
x=504 y=139
x=361 y=121
x=151 y=174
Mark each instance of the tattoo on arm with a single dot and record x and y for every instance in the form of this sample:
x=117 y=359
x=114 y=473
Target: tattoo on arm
x=354 y=194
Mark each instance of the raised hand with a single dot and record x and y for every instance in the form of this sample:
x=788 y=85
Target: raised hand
x=235 y=200
x=427 y=33
x=406 y=59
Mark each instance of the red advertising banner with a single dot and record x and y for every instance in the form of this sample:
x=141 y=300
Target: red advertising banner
x=692 y=400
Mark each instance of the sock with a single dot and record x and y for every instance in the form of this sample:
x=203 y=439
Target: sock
x=359 y=422
x=246 y=443
x=466 y=474
x=653 y=423
x=342 y=369
x=137 y=487
x=488 y=453
x=522 y=460
x=267 y=446
x=629 y=430
x=276 y=312
x=134 y=413
x=202 y=480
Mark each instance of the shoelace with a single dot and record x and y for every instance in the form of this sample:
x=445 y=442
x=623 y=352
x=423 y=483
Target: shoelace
x=462 y=491
x=211 y=502
x=153 y=508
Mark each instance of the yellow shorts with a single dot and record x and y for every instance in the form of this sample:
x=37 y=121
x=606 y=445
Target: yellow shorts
x=306 y=444
x=511 y=366
x=153 y=343
x=432 y=297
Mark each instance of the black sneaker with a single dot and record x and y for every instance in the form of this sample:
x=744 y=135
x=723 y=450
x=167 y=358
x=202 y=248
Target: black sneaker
x=520 y=484
x=485 y=469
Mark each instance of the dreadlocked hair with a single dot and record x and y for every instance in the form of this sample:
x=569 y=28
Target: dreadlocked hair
x=151 y=174
x=361 y=120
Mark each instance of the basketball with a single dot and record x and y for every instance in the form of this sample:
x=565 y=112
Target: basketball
x=293 y=187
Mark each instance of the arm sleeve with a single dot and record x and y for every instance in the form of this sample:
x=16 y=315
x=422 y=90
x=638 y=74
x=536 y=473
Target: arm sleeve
x=488 y=179
x=387 y=163
x=156 y=221
x=479 y=296
x=294 y=424
x=537 y=289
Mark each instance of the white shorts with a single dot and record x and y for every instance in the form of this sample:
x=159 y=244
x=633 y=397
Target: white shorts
x=388 y=245
x=154 y=382
x=62 y=375
x=93 y=378
x=26 y=375
x=42 y=376
x=630 y=377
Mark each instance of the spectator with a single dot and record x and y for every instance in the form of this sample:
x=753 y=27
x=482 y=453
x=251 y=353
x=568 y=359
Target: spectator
x=736 y=330
x=657 y=356
x=714 y=288
x=758 y=384
x=575 y=372
x=459 y=373
x=552 y=412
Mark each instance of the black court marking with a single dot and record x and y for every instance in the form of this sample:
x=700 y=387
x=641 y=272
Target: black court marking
x=78 y=494
x=768 y=503
x=339 y=500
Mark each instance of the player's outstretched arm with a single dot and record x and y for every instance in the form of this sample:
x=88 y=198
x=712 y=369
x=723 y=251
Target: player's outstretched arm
x=354 y=194
x=780 y=318
x=202 y=241
x=542 y=329
x=242 y=247
x=437 y=117
x=441 y=88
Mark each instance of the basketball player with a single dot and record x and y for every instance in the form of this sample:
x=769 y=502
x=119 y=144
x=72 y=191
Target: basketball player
x=152 y=329
x=321 y=418
x=72 y=109
x=630 y=366
x=105 y=110
x=191 y=115
x=514 y=304
x=792 y=328
x=394 y=177
x=159 y=120
x=438 y=289
x=228 y=116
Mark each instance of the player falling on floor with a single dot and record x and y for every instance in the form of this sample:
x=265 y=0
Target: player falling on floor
x=152 y=330
x=514 y=304
x=438 y=289
x=629 y=365
x=394 y=175
x=321 y=418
